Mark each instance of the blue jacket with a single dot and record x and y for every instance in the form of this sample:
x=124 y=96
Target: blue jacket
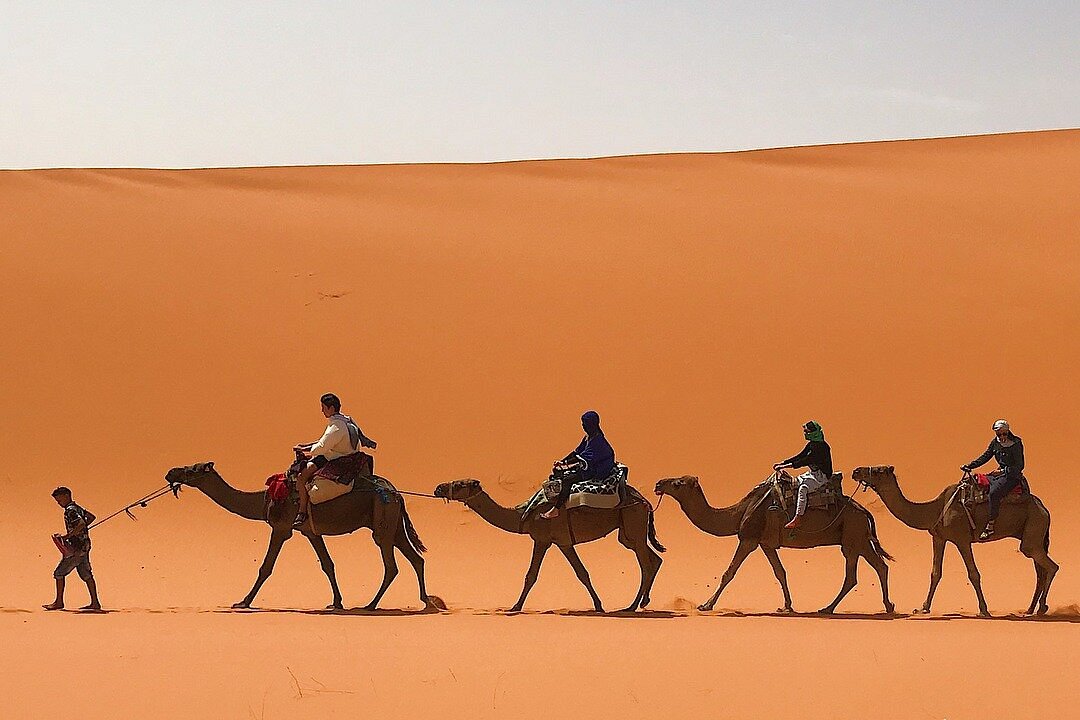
x=597 y=454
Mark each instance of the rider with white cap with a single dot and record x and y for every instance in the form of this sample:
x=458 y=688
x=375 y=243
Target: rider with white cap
x=1008 y=450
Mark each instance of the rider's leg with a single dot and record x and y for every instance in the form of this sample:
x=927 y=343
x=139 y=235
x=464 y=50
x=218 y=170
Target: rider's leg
x=302 y=488
x=1000 y=486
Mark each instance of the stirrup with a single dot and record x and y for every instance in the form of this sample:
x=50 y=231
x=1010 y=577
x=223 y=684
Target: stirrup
x=987 y=532
x=301 y=518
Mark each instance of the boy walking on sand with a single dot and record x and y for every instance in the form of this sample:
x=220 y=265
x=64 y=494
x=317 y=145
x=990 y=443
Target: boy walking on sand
x=77 y=521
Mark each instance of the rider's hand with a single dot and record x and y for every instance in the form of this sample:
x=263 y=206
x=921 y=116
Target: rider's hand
x=965 y=468
x=778 y=466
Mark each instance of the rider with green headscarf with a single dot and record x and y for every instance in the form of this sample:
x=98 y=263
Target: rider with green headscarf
x=816 y=457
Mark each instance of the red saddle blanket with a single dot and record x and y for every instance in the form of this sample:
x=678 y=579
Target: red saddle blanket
x=277 y=487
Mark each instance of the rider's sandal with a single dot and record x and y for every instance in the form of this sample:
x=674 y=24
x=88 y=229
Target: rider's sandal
x=301 y=518
x=987 y=532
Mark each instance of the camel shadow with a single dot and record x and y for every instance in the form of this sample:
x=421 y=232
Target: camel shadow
x=346 y=612
x=1009 y=617
x=564 y=612
x=804 y=615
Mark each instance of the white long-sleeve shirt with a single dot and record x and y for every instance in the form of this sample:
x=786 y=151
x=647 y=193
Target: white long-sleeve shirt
x=335 y=441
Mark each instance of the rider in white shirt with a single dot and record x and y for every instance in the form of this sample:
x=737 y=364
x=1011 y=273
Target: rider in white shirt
x=341 y=439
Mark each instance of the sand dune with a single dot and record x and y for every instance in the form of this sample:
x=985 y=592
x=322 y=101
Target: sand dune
x=904 y=294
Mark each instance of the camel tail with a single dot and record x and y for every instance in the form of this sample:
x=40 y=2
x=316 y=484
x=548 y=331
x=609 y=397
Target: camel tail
x=873 y=533
x=410 y=531
x=652 y=535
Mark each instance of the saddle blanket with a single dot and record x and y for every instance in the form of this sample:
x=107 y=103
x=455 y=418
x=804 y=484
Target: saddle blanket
x=825 y=496
x=596 y=493
x=974 y=493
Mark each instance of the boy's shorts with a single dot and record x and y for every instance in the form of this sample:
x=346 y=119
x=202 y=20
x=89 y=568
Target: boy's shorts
x=78 y=561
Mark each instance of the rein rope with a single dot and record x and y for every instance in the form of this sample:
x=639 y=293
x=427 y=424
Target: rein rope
x=141 y=502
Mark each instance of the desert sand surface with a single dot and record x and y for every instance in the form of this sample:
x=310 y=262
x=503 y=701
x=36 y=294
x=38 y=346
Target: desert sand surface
x=903 y=294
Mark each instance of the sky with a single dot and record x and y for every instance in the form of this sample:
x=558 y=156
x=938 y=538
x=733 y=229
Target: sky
x=228 y=83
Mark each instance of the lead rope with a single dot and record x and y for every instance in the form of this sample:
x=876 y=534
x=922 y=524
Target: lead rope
x=141 y=502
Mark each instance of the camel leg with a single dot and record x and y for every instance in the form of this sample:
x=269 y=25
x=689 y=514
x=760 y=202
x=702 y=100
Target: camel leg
x=745 y=548
x=390 y=571
x=539 y=551
x=781 y=575
x=1051 y=568
x=1040 y=578
x=935 y=573
x=582 y=574
x=277 y=539
x=882 y=569
x=416 y=560
x=973 y=575
x=649 y=563
x=1045 y=570
x=327 y=564
x=851 y=570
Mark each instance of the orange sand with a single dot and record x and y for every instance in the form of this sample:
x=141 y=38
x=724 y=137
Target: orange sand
x=903 y=294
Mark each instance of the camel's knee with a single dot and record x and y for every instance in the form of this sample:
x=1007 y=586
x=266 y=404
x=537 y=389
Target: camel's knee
x=974 y=577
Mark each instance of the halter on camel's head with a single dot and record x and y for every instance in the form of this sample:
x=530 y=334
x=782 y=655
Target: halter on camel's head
x=669 y=486
x=178 y=477
x=870 y=476
x=460 y=490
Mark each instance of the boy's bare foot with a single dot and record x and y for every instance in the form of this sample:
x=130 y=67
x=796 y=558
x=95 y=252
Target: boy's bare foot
x=53 y=606
x=95 y=607
x=552 y=513
x=794 y=523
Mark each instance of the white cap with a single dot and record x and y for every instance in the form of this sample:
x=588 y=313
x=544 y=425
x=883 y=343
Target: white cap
x=999 y=424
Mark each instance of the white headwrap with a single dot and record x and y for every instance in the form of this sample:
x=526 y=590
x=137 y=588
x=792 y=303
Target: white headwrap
x=999 y=424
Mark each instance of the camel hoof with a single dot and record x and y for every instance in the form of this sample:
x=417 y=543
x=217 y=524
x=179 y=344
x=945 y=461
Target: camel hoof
x=705 y=607
x=890 y=609
x=985 y=613
x=515 y=609
x=629 y=609
x=241 y=605
x=335 y=606
x=788 y=610
x=825 y=611
x=434 y=602
x=1044 y=609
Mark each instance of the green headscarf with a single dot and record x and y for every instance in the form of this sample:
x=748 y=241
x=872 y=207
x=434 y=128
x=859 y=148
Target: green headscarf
x=812 y=431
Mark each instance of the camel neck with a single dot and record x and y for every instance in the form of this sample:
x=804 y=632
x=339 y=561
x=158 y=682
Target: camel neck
x=250 y=505
x=715 y=521
x=504 y=518
x=921 y=516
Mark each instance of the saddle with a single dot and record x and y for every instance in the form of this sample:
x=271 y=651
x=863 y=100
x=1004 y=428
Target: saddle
x=975 y=489
x=606 y=493
x=341 y=479
x=825 y=496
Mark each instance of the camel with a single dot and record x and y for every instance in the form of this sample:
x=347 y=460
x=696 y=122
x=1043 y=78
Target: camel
x=851 y=526
x=572 y=527
x=390 y=527
x=947 y=521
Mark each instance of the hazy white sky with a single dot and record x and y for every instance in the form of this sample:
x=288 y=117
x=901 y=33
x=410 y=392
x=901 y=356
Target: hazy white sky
x=180 y=84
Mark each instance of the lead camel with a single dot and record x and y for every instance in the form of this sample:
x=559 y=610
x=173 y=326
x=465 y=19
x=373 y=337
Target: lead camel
x=390 y=526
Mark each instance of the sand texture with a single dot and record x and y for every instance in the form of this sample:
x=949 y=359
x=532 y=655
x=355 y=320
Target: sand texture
x=903 y=294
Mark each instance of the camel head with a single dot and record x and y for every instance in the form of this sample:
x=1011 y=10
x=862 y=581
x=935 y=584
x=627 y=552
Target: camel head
x=677 y=486
x=192 y=475
x=874 y=476
x=460 y=490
